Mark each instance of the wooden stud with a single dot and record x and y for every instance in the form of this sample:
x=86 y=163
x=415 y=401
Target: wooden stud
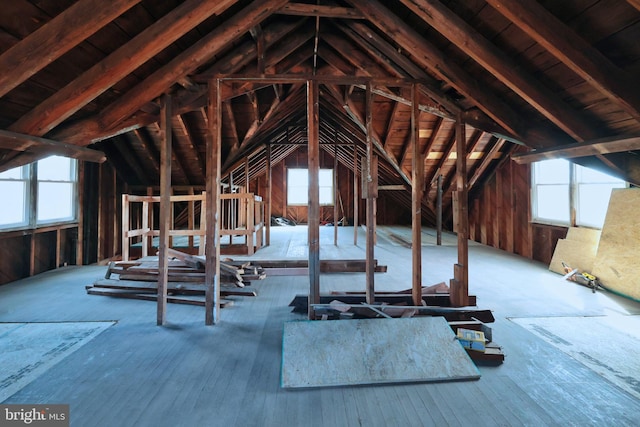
x=268 y=197
x=370 y=192
x=165 y=207
x=313 y=125
x=212 y=240
x=460 y=283
x=125 y=228
x=80 y=213
x=439 y=212
x=335 y=194
x=417 y=178
x=356 y=197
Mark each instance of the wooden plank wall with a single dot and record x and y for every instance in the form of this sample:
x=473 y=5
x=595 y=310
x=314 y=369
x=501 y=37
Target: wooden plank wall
x=299 y=213
x=500 y=215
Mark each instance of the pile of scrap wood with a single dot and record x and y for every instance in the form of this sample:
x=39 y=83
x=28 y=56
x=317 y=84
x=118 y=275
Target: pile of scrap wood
x=353 y=305
x=186 y=279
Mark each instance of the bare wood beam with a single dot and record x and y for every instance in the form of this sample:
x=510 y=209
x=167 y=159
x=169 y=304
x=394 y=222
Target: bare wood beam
x=503 y=68
x=356 y=198
x=182 y=125
x=428 y=56
x=189 y=60
x=268 y=195
x=351 y=111
x=313 y=121
x=55 y=38
x=439 y=211
x=119 y=64
x=588 y=148
x=488 y=158
x=428 y=85
x=212 y=205
x=417 y=178
x=634 y=3
x=460 y=283
x=398 y=187
x=27 y=143
x=577 y=54
x=301 y=9
x=258 y=36
x=165 y=208
x=371 y=189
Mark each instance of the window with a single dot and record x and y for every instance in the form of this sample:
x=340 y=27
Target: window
x=14 y=187
x=298 y=187
x=56 y=189
x=51 y=180
x=560 y=187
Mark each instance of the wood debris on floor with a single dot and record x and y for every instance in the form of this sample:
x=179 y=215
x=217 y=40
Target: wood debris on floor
x=139 y=279
x=399 y=304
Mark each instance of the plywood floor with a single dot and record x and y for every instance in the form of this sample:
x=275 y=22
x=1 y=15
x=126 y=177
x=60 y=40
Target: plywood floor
x=187 y=374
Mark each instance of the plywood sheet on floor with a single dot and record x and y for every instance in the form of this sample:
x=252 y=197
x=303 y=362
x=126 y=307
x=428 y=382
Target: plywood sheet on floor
x=608 y=345
x=372 y=351
x=30 y=349
x=616 y=263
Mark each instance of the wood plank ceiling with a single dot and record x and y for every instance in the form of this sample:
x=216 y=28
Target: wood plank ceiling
x=542 y=74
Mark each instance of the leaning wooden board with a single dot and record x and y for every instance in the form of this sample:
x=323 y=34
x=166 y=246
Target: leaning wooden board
x=617 y=261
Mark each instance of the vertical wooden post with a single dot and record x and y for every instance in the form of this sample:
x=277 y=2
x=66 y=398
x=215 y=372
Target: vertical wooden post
x=335 y=194
x=150 y=220
x=58 y=247
x=191 y=220
x=439 y=212
x=369 y=184
x=145 y=226
x=80 y=213
x=460 y=282
x=268 y=201
x=313 y=126
x=417 y=178
x=101 y=200
x=212 y=250
x=165 y=206
x=125 y=228
x=356 y=196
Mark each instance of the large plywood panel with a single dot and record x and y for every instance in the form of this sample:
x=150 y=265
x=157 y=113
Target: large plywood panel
x=372 y=351
x=578 y=250
x=616 y=262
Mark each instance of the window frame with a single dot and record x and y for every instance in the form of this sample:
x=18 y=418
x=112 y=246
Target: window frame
x=30 y=213
x=305 y=188
x=574 y=187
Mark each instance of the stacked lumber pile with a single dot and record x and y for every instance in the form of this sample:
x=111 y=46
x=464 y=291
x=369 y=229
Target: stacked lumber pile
x=352 y=305
x=186 y=279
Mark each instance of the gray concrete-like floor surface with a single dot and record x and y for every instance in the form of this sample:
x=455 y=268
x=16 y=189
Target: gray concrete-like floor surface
x=187 y=374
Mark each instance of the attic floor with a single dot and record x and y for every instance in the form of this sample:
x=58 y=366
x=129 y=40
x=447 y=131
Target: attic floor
x=560 y=367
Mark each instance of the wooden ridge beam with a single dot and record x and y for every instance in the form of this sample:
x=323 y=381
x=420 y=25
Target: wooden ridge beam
x=321 y=11
x=56 y=37
x=577 y=54
x=588 y=148
x=93 y=82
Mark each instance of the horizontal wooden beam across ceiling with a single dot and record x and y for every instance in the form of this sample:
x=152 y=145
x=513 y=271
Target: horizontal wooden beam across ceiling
x=589 y=148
